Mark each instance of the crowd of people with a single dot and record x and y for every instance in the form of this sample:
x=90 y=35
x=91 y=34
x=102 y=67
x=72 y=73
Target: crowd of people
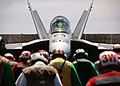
x=45 y=68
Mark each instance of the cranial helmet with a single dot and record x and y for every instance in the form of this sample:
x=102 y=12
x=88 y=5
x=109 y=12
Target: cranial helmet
x=37 y=56
x=81 y=53
x=108 y=58
x=59 y=52
x=25 y=55
x=9 y=56
x=44 y=53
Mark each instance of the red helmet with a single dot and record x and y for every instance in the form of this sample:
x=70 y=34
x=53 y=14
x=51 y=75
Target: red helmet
x=9 y=56
x=108 y=58
x=25 y=55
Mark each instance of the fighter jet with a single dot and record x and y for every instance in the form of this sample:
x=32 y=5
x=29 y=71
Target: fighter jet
x=59 y=35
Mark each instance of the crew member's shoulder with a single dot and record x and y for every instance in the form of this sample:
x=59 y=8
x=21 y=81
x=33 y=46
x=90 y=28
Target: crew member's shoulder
x=3 y=59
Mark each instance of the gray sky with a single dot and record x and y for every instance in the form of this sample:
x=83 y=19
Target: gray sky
x=15 y=16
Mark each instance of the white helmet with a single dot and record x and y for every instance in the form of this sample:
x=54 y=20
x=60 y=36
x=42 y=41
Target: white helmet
x=44 y=53
x=38 y=56
x=108 y=58
x=25 y=55
x=9 y=56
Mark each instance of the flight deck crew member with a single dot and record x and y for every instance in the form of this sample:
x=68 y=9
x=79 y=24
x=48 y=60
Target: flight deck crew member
x=67 y=71
x=11 y=58
x=84 y=67
x=39 y=74
x=110 y=70
x=17 y=68
x=6 y=74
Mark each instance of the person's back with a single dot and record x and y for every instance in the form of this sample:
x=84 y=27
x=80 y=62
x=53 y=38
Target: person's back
x=67 y=72
x=39 y=74
x=107 y=79
x=6 y=74
x=109 y=67
x=17 y=68
x=11 y=58
x=84 y=67
x=85 y=70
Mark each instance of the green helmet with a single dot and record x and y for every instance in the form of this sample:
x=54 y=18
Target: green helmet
x=81 y=53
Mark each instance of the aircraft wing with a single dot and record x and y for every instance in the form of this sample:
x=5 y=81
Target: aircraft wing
x=90 y=47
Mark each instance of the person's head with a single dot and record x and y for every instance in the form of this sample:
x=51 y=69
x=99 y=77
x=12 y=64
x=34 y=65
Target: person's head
x=80 y=53
x=44 y=53
x=9 y=56
x=38 y=57
x=2 y=45
x=58 y=53
x=108 y=61
x=116 y=48
x=25 y=55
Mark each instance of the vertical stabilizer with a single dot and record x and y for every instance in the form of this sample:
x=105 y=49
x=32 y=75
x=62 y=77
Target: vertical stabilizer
x=77 y=34
x=41 y=31
x=79 y=28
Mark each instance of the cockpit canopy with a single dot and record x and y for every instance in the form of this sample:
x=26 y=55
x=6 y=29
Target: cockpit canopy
x=60 y=24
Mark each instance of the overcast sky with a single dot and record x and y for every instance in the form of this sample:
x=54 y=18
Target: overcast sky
x=15 y=16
